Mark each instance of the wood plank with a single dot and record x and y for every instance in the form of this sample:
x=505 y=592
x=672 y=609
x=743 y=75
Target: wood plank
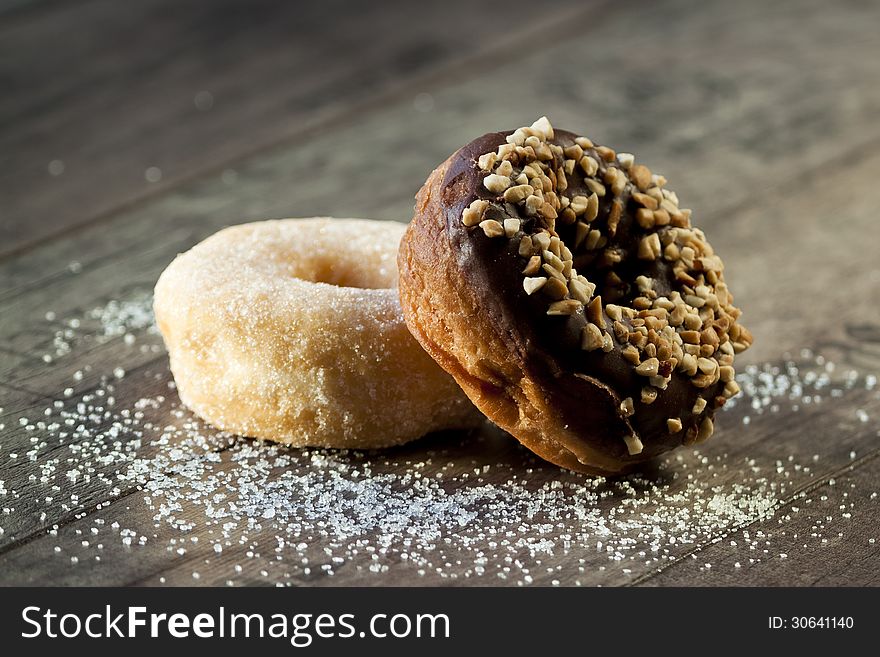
x=828 y=536
x=719 y=130
x=105 y=104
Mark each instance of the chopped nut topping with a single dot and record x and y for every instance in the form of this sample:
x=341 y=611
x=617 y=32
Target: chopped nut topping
x=505 y=169
x=649 y=395
x=614 y=216
x=555 y=288
x=592 y=210
x=633 y=445
x=542 y=240
x=595 y=314
x=487 y=161
x=543 y=126
x=594 y=238
x=495 y=183
x=580 y=291
x=589 y=165
x=673 y=424
x=579 y=205
x=492 y=228
x=553 y=273
x=547 y=197
x=688 y=364
x=595 y=186
x=641 y=176
x=565 y=307
x=626 y=160
x=606 y=153
x=645 y=218
x=591 y=337
x=517 y=193
x=473 y=214
x=533 y=267
x=706 y=429
x=649 y=367
x=727 y=373
x=707 y=365
x=649 y=202
x=511 y=227
x=702 y=380
x=649 y=247
x=731 y=389
x=627 y=408
x=532 y=285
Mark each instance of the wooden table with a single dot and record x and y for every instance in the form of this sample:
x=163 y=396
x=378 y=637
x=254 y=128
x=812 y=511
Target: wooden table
x=127 y=134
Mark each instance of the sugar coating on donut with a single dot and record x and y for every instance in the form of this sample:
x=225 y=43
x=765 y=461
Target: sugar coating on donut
x=291 y=330
x=560 y=203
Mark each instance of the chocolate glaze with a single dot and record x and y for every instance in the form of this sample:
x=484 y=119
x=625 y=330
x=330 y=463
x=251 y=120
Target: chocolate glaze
x=549 y=346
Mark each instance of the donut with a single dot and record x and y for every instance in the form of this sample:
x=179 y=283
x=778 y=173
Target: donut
x=569 y=295
x=291 y=331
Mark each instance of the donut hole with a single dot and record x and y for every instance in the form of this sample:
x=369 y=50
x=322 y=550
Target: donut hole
x=360 y=271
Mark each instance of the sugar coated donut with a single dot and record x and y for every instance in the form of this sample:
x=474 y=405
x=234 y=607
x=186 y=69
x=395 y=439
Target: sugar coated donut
x=567 y=292
x=291 y=331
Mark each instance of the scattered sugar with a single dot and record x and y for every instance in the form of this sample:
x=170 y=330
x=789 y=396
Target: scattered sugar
x=444 y=511
x=104 y=323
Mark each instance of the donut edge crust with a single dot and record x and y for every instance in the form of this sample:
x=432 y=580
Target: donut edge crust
x=434 y=300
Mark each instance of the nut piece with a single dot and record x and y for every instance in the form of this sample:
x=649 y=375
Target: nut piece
x=580 y=291
x=487 y=161
x=555 y=289
x=543 y=126
x=533 y=284
x=511 y=227
x=533 y=266
x=595 y=314
x=641 y=176
x=649 y=395
x=731 y=389
x=633 y=445
x=627 y=408
x=518 y=193
x=473 y=214
x=649 y=247
x=591 y=338
x=649 y=367
x=492 y=228
x=673 y=425
x=564 y=307
x=495 y=183
x=706 y=429
x=589 y=165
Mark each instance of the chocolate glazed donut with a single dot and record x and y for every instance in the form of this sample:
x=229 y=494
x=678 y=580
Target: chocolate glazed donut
x=570 y=297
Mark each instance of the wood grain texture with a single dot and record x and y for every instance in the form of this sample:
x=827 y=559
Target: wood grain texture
x=769 y=133
x=180 y=87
